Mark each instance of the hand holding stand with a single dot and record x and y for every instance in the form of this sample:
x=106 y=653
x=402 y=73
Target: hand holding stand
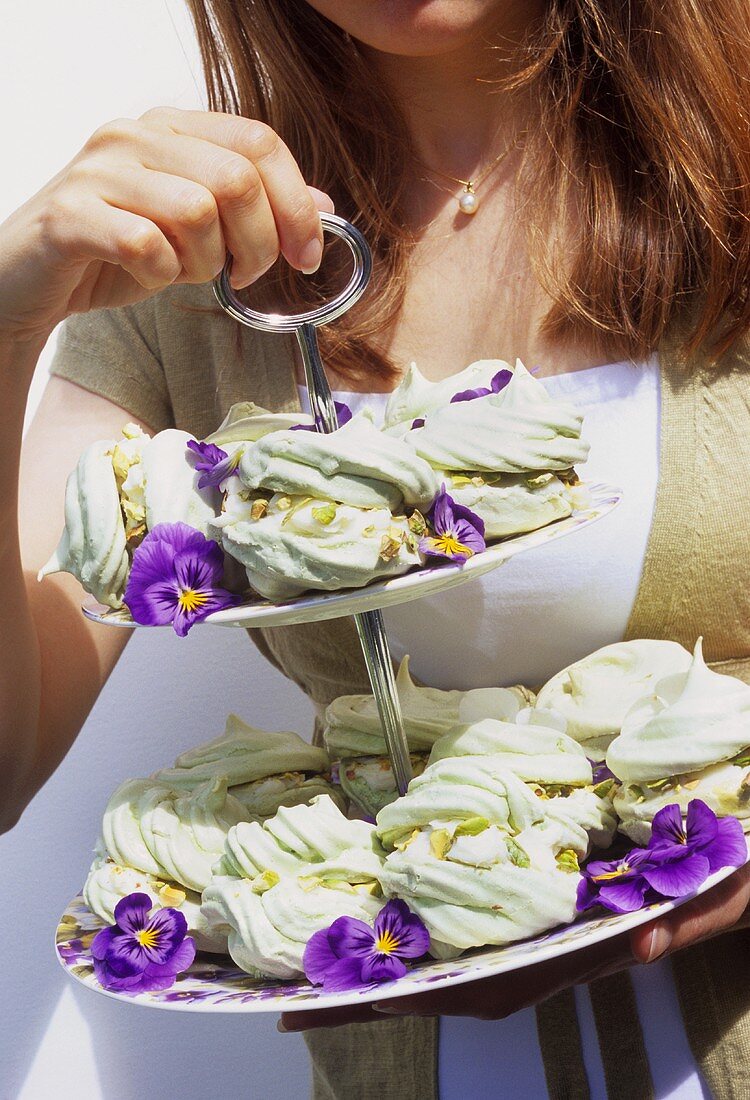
x=370 y=626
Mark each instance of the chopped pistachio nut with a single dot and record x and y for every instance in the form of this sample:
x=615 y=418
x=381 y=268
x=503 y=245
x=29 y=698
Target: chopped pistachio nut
x=472 y=826
x=264 y=882
x=391 y=543
x=258 y=508
x=294 y=508
x=459 y=480
x=283 y=504
x=172 y=896
x=478 y=481
x=310 y=882
x=368 y=531
x=389 y=840
x=603 y=789
x=567 y=860
x=538 y=481
x=417 y=523
x=516 y=853
x=440 y=843
x=325 y=515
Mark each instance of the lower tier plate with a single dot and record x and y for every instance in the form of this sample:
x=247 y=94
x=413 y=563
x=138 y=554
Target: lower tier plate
x=214 y=984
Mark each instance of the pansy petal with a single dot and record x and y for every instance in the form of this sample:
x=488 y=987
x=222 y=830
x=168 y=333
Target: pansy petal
x=102 y=942
x=179 y=959
x=587 y=895
x=623 y=895
x=729 y=847
x=319 y=957
x=350 y=936
x=501 y=380
x=344 y=974
x=405 y=927
x=382 y=968
x=702 y=823
x=678 y=877
x=667 y=827
x=131 y=912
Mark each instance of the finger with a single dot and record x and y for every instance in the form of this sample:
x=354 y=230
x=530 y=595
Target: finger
x=185 y=211
x=81 y=227
x=495 y=998
x=323 y=201
x=714 y=912
x=295 y=213
x=328 y=1017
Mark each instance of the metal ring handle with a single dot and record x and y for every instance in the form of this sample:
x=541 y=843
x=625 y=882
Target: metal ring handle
x=279 y=322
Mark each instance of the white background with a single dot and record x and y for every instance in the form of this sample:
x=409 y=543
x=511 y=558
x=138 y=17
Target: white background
x=66 y=67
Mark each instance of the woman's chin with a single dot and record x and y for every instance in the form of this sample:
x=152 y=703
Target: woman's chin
x=418 y=28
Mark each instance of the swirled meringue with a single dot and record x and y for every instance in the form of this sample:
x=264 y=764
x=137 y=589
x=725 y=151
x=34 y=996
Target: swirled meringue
x=595 y=693
x=416 y=396
x=264 y=797
x=517 y=430
x=119 y=490
x=304 y=543
x=168 y=833
x=108 y=883
x=247 y=422
x=243 y=754
x=511 y=505
x=353 y=728
x=357 y=465
x=690 y=720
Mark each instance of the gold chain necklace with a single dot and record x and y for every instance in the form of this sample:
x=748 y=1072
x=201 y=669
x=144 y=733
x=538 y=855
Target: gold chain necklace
x=468 y=200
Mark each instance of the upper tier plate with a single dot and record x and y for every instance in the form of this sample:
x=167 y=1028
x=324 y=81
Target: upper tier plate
x=316 y=606
x=215 y=984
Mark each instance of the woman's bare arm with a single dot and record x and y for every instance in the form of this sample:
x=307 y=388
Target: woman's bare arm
x=55 y=662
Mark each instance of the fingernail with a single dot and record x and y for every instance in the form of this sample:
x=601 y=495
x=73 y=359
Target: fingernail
x=310 y=256
x=661 y=938
x=280 y=1027
x=391 y=1010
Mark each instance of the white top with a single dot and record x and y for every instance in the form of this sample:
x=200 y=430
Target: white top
x=521 y=624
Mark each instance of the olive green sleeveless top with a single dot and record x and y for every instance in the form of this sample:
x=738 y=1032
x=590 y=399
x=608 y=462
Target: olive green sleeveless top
x=178 y=361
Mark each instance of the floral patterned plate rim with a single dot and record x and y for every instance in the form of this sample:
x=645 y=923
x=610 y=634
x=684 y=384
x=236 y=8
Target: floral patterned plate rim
x=214 y=984
x=317 y=606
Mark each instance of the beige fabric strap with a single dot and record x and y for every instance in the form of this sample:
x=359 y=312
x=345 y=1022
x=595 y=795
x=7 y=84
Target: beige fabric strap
x=560 y=1044
x=392 y=1060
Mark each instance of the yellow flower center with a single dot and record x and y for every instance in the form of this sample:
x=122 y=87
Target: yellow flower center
x=386 y=942
x=148 y=937
x=619 y=871
x=190 y=600
x=449 y=544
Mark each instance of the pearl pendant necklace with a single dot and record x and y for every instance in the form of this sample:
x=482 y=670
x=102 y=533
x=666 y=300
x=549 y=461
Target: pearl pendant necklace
x=468 y=203
x=468 y=200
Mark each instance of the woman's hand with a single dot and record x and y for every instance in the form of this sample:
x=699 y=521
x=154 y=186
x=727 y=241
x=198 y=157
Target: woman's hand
x=152 y=202
x=494 y=998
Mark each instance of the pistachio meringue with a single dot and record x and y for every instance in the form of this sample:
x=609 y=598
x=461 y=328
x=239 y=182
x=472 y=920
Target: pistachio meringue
x=688 y=738
x=108 y=883
x=247 y=422
x=280 y=882
x=263 y=797
x=169 y=833
x=517 y=430
x=353 y=728
x=595 y=693
x=369 y=780
x=302 y=543
x=512 y=504
x=416 y=396
x=119 y=490
x=243 y=754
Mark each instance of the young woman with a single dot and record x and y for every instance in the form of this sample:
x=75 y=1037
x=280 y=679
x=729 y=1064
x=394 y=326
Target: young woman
x=566 y=181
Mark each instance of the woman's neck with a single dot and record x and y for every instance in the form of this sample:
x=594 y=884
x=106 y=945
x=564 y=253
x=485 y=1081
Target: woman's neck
x=457 y=116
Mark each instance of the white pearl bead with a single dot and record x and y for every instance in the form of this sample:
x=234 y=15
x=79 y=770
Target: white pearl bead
x=468 y=202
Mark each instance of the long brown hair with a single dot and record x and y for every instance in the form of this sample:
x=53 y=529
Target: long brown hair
x=643 y=128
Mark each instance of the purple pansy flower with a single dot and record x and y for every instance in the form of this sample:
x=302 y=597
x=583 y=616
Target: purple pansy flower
x=350 y=954
x=686 y=852
x=343 y=415
x=617 y=884
x=418 y=423
x=600 y=772
x=216 y=464
x=458 y=533
x=175 y=578
x=498 y=383
x=142 y=953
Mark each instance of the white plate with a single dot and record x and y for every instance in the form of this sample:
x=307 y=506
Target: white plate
x=215 y=984
x=316 y=606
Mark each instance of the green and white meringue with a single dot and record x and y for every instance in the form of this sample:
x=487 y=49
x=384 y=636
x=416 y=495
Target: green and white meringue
x=263 y=797
x=242 y=755
x=512 y=504
x=267 y=932
x=519 y=430
x=595 y=694
x=108 y=883
x=119 y=490
x=416 y=396
x=247 y=422
x=369 y=780
x=168 y=833
x=307 y=543
x=357 y=465
x=689 y=738
x=353 y=728
x=280 y=882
